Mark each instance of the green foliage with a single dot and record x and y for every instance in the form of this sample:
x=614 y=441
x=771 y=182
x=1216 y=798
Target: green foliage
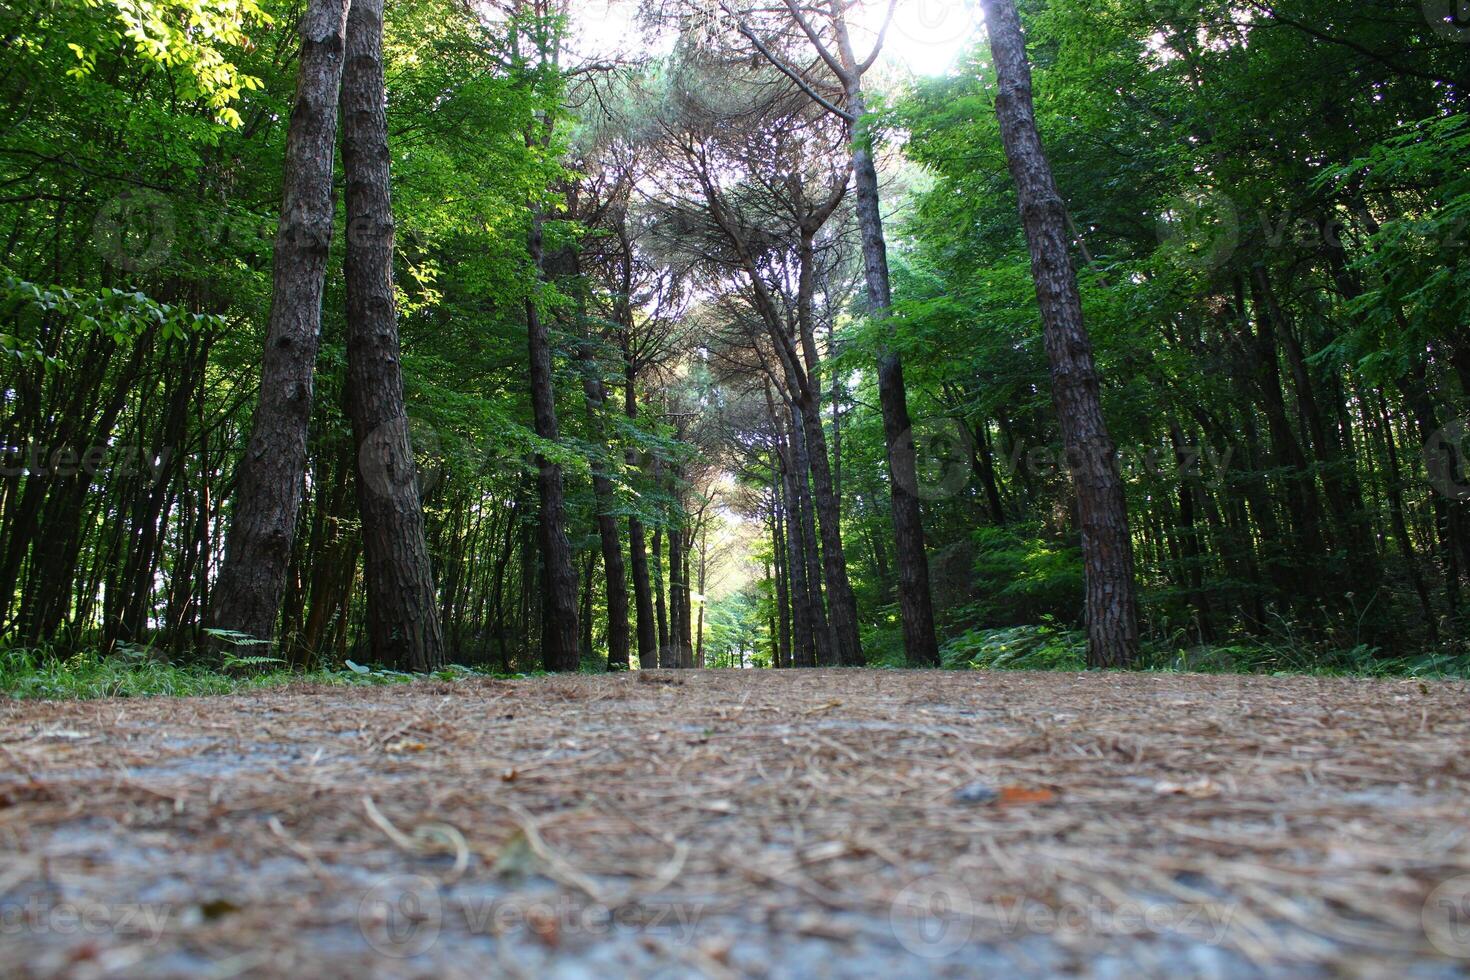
x=120 y=314
x=1194 y=215
x=736 y=631
x=1049 y=647
x=1024 y=575
x=883 y=645
x=141 y=672
x=1043 y=647
x=195 y=37
x=1273 y=656
x=38 y=674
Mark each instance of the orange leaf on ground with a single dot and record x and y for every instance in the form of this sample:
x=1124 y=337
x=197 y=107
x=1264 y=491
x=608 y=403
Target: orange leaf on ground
x=1020 y=794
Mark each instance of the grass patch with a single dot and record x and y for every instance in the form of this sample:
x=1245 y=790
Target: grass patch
x=135 y=672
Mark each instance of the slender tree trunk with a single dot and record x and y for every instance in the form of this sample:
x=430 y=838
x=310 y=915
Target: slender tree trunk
x=814 y=547
x=1193 y=552
x=916 y=605
x=637 y=557
x=703 y=603
x=558 y=577
x=584 y=620
x=782 y=630
x=1301 y=490
x=595 y=391
x=1393 y=482
x=268 y=488
x=686 y=618
x=402 y=608
x=660 y=610
x=1102 y=509
x=804 y=602
x=678 y=599
x=841 y=604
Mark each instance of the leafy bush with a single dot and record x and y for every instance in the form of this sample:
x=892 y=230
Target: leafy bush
x=1026 y=576
x=1043 y=647
x=883 y=645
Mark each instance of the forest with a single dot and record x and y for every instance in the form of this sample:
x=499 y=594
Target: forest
x=734 y=489
x=526 y=335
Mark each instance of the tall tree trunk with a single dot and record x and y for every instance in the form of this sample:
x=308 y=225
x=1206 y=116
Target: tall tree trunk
x=558 y=577
x=637 y=557
x=1102 y=510
x=1191 y=546
x=594 y=390
x=841 y=604
x=915 y=604
x=814 y=546
x=678 y=599
x=782 y=631
x=402 y=608
x=703 y=602
x=660 y=607
x=1394 y=485
x=1301 y=490
x=252 y=580
x=585 y=617
x=804 y=602
x=686 y=616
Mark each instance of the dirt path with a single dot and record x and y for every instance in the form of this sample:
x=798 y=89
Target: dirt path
x=786 y=824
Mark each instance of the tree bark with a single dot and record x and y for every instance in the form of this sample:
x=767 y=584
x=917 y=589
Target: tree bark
x=812 y=547
x=842 y=605
x=637 y=556
x=660 y=605
x=268 y=489
x=915 y=604
x=673 y=655
x=402 y=609
x=559 y=650
x=1102 y=510
x=594 y=390
x=703 y=603
x=781 y=638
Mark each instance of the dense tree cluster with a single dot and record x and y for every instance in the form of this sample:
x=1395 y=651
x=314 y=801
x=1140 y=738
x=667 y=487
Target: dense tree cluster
x=414 y=334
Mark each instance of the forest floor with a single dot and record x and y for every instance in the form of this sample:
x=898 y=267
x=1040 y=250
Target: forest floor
x=760 y=823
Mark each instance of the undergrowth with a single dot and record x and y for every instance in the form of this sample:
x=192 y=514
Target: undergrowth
x=1048 y=646
x=140 y=672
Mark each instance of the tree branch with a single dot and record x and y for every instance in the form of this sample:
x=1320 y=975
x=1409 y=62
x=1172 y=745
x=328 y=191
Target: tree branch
x=816 y=40
x=791 y=73
x=882 y=39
